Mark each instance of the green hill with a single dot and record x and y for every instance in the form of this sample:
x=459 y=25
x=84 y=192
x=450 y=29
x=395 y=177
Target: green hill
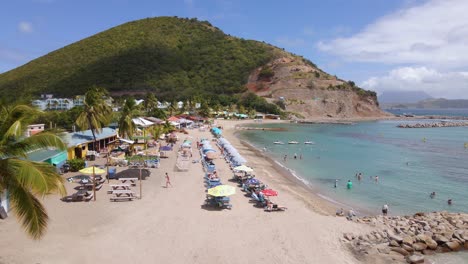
x=176 y=58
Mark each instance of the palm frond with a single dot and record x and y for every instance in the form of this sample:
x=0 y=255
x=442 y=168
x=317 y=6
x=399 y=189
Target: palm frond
x=28 y=208
x=38 y=177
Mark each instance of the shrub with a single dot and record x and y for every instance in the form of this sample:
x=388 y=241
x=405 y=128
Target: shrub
x=266 y=72
x=76 y=164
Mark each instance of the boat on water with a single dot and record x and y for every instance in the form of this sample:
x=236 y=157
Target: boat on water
x=293 y=142
x=309 y=143
x=278 y=143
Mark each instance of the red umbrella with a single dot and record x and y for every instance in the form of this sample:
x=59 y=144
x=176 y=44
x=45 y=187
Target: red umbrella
x=269 y=192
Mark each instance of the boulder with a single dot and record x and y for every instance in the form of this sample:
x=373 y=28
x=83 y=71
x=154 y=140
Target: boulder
x=348 y=236
x=432 y=244
x=400 y=250
x=410 y=249
x=453 y=245
x=414 y=259
x=466 y=245
x=419 y=246
x=428 y=252
x=440 y=239
x=395 y=237
x=393 y=243
x=407 y=240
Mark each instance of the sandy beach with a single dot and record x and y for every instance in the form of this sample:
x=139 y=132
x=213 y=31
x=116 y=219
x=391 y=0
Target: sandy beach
x=170 y=225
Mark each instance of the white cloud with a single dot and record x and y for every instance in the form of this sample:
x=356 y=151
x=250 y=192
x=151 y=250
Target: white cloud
x=290 y=42
x=434 y=33
x=453 y=85
x=25 y=27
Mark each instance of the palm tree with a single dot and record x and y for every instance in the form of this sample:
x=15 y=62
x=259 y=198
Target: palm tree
x=96 y=112
x=27 y=181
x=151 y=103
x=126 y=125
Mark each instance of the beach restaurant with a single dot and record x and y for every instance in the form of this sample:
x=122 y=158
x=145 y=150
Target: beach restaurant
x=80 y=143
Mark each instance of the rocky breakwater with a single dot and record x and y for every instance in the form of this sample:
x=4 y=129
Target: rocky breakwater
x=434 y=124
x=409 y=238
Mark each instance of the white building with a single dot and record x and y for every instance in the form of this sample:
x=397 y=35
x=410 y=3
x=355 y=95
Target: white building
x=180 y=104
x=163 y=105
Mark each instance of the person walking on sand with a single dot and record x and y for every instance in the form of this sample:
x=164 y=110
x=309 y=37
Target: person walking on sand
x=385 y=210
x=168 y=181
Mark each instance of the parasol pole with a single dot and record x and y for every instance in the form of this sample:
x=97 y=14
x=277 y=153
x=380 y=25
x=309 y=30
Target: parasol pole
x=94 y=184
x=141 y=195
x=107 y=164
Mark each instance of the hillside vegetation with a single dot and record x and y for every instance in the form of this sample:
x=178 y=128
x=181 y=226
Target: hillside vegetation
x=176 y=58
x=186 y=59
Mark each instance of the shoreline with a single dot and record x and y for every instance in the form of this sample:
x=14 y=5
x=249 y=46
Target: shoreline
x=323 y=203
x=308 y=192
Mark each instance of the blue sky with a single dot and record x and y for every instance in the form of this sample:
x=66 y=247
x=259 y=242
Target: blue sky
x=380 y=44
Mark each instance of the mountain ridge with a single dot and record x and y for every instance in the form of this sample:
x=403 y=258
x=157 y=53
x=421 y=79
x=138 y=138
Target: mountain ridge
x=180 y=58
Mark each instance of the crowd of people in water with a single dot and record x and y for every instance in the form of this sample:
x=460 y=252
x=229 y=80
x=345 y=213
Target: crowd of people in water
x=385 y=208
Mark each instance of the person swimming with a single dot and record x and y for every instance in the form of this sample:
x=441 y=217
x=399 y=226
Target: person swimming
x=432 y=195
x=336 y=183
x=449 y=202
x=349 y=185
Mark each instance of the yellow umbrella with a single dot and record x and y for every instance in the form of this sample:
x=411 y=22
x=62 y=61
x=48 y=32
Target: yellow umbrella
x=93 y=171
x=222 y=190
x=243 y=168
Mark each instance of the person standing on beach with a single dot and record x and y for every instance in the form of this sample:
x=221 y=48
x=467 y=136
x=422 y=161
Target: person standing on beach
x=336 y=183
x=385 y=210
x=168 y=181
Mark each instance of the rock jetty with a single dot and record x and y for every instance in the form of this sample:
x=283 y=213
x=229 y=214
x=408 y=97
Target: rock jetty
x=433 y=124
x=409 y=238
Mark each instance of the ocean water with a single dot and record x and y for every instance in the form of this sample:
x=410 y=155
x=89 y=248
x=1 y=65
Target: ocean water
x=410 y=163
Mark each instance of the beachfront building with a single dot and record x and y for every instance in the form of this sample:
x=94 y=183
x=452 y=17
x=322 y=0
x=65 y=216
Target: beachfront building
x=180 y=104
x=34 y=129
x=80 y=143
x=54 y=104
x=163 y=105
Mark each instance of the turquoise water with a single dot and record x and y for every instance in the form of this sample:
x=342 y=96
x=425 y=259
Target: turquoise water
x=409 y=167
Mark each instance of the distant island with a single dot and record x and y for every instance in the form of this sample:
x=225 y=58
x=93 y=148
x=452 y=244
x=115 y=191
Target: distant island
x=439 y=103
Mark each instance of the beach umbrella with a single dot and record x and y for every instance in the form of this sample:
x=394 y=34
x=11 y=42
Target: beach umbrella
x=222 y=190
x=269 y=192
x=93 y=171
x=243 y=168
x=252 y=181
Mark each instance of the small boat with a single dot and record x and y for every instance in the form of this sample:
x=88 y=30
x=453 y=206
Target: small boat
x=278 y=143
x=309 y=143
x=293 y=142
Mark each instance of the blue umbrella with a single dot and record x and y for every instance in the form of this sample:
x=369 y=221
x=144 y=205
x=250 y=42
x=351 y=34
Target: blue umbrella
x=252 y=181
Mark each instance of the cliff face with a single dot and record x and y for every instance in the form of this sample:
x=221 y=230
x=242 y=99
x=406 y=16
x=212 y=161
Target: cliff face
x=305 y=91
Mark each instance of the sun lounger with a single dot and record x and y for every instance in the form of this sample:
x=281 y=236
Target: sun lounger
x=88 y=197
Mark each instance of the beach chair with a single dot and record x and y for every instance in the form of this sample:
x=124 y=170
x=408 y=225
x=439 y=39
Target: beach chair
x=88 y=196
